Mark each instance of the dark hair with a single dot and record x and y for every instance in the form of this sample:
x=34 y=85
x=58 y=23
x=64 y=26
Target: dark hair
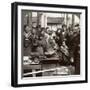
x=33 y=27
x=42 y=28
x=25 y=26
x=39 y=26
x=76 y=25
x=58 y=30
x=64 y=25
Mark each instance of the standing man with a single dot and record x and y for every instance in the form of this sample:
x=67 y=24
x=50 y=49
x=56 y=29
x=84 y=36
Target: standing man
x=27 y=40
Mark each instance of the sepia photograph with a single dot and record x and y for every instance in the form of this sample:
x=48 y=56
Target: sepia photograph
x=49 y=44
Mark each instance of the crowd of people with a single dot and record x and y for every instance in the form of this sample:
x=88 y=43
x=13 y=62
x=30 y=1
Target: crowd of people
x=64 y=43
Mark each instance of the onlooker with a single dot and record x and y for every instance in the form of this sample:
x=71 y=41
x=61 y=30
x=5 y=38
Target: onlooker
x=27 y=40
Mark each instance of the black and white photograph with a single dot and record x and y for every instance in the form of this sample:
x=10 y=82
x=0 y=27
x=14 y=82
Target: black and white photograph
x=49 y=44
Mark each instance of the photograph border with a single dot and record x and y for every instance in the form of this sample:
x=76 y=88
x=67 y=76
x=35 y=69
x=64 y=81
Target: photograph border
x=14 y=43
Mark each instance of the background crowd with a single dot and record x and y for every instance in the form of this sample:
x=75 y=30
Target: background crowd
x=64 y=43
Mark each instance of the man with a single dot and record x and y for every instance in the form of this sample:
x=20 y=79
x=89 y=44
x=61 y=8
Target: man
x=64 y=31
x=27 y=40
x=76 y=48
x=59 y=37
x=39 y=44
x=73 y=42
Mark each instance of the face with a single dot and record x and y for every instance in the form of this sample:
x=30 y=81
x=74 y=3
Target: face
x=42 y=32
x=63 y=42
x=27 y=29
x=76 y=29
x=34 y=31
x=50 y=32
x=71 y=32
x=59 y=31
x=41 y=37
x=64 y=28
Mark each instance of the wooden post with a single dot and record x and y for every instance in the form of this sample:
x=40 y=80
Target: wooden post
x=38 y=18
x=73 y=20
x=67 y=19
x=30 y=19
